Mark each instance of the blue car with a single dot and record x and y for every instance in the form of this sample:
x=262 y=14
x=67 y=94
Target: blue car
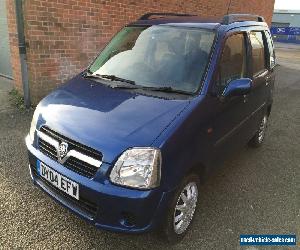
x=126 y=143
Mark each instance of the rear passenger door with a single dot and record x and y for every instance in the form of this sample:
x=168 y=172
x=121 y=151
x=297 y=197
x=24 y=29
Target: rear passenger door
x=261 y=76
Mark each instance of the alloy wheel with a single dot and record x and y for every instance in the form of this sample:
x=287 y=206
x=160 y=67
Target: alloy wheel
x=262 y=129
x=185 y=207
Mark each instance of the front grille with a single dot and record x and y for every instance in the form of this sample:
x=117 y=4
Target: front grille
x=47 y=149
x=80 y=167
x=74 y=164
x=82 y=204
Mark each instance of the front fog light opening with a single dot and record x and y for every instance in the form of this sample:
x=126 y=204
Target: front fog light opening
x=128 y=219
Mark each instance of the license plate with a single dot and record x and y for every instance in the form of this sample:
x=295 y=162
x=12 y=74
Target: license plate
x=58 y=180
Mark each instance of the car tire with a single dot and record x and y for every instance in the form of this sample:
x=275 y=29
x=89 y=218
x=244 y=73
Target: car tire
x=258 y=139
x=182 y=209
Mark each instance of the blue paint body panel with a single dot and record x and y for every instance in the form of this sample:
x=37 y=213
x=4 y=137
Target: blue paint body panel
x=113 y=120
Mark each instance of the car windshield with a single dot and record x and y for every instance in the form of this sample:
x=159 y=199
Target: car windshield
x=159 y=56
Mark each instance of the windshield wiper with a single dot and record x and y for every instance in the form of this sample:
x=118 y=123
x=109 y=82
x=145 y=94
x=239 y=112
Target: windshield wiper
x=119 y=79
x=167 y=90
x=159 y=89
x=116 y=78
x=89 y=74
x=109 y=77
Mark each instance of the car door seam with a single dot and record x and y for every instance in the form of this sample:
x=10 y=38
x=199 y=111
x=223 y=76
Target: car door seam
x=223 y=138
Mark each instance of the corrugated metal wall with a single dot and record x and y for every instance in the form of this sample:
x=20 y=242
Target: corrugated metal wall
x=5 y=65
x=290 y=19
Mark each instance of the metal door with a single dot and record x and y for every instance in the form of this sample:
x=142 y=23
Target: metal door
x=5 y=64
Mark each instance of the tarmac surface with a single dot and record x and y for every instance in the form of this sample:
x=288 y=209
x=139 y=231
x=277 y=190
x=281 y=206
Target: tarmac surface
x=257 y=191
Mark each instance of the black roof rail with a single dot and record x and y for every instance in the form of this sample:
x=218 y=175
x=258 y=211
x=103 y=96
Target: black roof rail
x=231 y=18
x=148 y=15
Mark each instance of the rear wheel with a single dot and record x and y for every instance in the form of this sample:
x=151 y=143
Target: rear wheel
x=259 y=136
x=182 y=209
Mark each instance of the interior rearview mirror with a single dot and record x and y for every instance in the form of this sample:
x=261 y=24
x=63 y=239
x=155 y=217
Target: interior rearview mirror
x=238 y=87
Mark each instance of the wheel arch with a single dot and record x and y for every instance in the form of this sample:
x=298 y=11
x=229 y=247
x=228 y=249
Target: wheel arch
x=200 y=170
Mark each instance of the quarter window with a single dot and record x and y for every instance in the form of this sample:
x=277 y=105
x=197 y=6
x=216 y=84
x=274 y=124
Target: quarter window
x=258 y=52
x=233 y=61
x=271 y=50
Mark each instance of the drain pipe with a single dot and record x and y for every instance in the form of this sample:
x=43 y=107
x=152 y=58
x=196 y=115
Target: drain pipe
x=22 y=51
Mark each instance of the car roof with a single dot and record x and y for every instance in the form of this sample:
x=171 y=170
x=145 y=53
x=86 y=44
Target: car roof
x=195 y=22
x=179 y=21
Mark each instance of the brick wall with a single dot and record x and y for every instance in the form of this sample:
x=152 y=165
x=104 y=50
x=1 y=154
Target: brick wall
x=63 y=36
x=13 y=41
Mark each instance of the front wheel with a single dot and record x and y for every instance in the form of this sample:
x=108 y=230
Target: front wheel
x=182 y=209
x=259 y=136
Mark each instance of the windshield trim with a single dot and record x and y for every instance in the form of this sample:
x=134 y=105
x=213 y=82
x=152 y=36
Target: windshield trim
x=208 y=65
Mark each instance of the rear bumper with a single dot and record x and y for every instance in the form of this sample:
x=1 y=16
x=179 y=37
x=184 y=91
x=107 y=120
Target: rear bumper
x=101 y=203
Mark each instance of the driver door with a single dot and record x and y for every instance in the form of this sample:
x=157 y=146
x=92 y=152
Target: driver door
x=231 y=113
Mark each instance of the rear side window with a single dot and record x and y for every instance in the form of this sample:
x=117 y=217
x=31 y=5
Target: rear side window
x=233 y=61
x=258 y=52
x=271 y=54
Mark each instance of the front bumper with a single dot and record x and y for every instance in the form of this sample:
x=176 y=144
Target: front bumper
x=101 y=203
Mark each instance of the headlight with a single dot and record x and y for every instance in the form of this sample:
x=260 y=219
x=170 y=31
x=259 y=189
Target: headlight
x=33 y=123
x=138 y=168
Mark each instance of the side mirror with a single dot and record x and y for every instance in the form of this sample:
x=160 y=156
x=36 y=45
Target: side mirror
x=238 y=87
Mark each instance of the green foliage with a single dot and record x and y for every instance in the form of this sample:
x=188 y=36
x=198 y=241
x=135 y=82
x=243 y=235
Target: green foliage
x=17 y=100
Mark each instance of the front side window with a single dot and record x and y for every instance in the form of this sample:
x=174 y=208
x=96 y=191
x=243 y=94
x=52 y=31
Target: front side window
x=258 y=52
x=157 y=56
x=232 y=64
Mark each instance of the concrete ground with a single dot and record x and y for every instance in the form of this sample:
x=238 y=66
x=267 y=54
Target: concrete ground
x=256 y=192
x=287 y=55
